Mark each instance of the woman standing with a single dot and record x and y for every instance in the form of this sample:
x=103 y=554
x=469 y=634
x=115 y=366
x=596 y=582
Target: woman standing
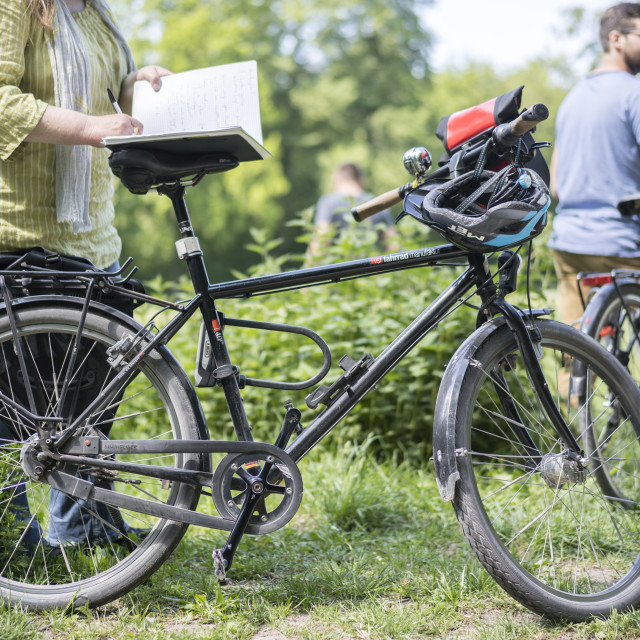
x=57 y=59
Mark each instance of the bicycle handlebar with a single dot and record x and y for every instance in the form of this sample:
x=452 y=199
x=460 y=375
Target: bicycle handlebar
x=379 y=203
x=507 y=134
x=504 y=136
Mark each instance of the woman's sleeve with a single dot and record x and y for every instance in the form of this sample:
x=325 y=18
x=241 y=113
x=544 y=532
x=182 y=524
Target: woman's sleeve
x=19 y=112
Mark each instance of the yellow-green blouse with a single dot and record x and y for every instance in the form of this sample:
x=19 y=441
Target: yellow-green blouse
x=27 y=170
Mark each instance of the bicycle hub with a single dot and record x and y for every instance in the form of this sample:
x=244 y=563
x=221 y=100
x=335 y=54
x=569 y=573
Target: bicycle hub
x=557 y=470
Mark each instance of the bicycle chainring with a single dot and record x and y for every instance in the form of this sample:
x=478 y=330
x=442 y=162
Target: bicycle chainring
x=282 y=490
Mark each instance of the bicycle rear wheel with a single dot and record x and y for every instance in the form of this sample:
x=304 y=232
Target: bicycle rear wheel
x=542 y=525
x=56 y=550
x=613 y=319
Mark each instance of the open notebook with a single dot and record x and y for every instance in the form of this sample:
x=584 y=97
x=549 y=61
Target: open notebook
x=211 y=110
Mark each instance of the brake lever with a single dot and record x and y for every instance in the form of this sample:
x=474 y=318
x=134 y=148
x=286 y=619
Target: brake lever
x=540 y=145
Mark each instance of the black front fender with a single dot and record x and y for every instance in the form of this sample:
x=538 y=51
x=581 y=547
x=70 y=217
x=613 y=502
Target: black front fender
x=444 y=422
x=446 y=411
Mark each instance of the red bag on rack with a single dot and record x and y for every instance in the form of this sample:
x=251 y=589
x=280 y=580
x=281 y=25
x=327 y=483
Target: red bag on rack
x=462 y=126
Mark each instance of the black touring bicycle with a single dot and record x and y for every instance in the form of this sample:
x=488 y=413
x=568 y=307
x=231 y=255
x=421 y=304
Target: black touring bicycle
x=95 y=410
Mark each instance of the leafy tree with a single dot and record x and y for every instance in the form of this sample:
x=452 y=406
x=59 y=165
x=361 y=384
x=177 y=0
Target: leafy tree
x=338 y=81
x=331 y=74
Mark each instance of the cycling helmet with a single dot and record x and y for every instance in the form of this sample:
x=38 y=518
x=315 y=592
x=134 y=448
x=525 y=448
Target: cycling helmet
x=488 y=211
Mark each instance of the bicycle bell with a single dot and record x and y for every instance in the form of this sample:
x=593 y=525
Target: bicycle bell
x=417 y=161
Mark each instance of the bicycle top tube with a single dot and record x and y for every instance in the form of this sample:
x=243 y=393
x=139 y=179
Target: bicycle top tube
x=336 y=272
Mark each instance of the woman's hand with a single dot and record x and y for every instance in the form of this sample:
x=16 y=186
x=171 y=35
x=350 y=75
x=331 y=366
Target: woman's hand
x=152 y=74
x=62 y=126
x=99 y=127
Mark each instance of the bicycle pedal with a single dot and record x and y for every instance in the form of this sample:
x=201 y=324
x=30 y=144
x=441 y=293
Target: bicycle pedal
x=353 y=369
x=219 y=565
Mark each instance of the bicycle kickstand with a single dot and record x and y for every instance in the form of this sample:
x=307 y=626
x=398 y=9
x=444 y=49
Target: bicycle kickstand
x=256 y=485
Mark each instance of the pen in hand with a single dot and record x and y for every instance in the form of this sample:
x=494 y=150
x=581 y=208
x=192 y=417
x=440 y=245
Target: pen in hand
x=113 y=101
x=117 y=108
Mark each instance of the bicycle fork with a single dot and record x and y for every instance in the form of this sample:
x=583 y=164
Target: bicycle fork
x=523 y=336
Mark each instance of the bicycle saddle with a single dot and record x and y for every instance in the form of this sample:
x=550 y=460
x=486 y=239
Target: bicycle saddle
x=140 y=170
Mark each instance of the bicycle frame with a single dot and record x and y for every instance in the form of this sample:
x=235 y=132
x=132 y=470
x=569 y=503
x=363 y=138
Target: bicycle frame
x=205 y=297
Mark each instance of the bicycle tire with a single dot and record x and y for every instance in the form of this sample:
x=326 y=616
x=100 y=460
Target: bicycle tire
x=107 y=558
x=606 y=320
x=614 y=323
x=560 y=546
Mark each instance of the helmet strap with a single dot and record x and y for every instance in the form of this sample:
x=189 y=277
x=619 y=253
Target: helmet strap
x=482 y=160
x=464 y=205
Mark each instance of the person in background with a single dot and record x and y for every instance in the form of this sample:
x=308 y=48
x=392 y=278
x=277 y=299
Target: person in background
x=57 y=59
x=596 y=163
x=333 y=211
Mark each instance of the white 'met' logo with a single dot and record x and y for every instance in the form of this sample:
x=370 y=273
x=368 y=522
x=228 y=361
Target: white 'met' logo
x=464 y=232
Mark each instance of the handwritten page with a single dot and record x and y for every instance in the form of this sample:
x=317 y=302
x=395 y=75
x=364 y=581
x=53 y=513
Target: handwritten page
x=201 y=100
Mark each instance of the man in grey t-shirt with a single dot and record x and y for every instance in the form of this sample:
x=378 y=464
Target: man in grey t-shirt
x=334 y=209
x=596 y=162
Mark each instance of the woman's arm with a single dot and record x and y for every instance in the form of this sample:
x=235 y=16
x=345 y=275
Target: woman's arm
x=25 y=118
x=19 y=112
x=63 y=126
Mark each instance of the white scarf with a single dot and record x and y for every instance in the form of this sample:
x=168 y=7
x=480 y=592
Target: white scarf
x=72 y=79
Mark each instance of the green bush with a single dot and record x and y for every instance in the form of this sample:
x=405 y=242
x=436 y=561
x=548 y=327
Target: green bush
x=354 y=317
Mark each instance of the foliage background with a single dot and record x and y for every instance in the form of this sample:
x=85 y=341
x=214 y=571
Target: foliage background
x=340 y=80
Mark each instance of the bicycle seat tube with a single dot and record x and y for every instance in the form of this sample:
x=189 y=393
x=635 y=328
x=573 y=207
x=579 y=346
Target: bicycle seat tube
x=189 y=251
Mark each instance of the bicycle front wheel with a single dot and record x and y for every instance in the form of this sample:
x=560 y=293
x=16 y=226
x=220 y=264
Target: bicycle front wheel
x=56 y=550
x=542 y=524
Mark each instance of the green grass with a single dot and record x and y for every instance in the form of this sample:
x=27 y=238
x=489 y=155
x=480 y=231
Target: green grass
x=372 y=554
